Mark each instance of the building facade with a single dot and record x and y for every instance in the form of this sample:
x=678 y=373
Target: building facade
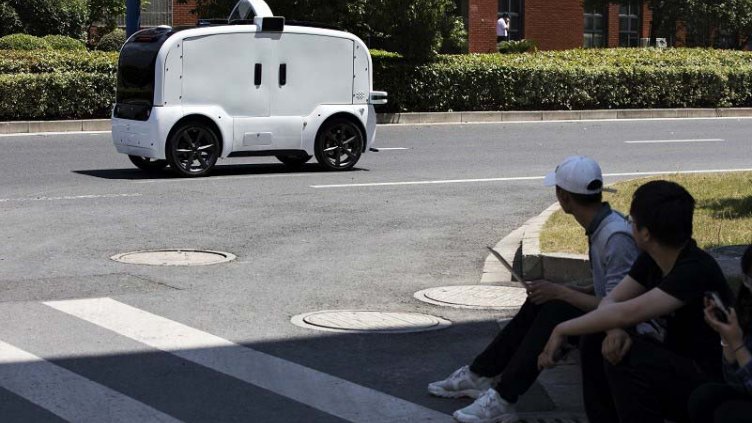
x=552 y=24
x=557 y=24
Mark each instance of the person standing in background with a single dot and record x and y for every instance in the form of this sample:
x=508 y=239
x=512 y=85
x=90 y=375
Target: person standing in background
x=502 y=28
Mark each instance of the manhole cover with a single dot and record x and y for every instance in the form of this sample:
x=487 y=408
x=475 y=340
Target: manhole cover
x=178 y=257
x=369 y=321
x=475 y=296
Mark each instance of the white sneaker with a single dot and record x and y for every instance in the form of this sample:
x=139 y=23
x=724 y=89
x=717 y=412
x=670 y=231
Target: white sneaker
x=461 y=383
x=489 y=408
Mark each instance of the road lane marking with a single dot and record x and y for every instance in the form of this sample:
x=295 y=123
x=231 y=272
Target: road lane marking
x=674 y=141
x=523 y=178
x=391 y=148
x=70 y=197
x=322 y=391
x=66 y=394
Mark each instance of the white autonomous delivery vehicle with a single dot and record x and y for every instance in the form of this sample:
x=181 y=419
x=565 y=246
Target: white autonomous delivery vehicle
x=252 y=86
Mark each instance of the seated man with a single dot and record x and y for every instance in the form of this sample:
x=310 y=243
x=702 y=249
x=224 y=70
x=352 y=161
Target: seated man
x=651 y=380
x=513 y=354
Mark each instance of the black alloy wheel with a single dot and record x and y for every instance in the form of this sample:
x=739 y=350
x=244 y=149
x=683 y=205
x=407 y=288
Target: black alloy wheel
x=193 y=149
x=147 y=163
x=339 y=144
x=294 y=161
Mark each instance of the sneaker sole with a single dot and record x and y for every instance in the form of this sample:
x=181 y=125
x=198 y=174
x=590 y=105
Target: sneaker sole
x=506 y=418
x=469 y=393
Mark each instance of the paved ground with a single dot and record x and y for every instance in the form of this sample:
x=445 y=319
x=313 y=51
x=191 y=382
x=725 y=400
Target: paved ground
x=305 y=241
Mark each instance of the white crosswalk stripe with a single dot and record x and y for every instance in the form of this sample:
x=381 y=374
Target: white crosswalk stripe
x=66 y=394
x=324 y=392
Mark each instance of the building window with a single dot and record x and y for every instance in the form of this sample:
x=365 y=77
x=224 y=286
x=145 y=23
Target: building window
x=595 y=29
x=629 y=24
x=157 y=12
x=514 y=9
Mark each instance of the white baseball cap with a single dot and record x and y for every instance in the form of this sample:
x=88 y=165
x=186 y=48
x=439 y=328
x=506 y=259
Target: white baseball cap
x=576 y=174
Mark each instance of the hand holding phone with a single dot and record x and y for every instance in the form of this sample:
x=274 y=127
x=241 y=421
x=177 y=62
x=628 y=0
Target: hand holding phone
x=720 y=311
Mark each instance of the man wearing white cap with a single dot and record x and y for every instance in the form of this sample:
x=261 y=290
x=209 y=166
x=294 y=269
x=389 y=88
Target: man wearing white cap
x=508 y=366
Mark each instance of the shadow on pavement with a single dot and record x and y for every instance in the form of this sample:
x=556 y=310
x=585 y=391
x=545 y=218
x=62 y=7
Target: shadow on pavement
x=226 y=170
x=398 y=365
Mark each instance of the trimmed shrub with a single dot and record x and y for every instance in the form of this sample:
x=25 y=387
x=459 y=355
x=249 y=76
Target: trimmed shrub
x=18 y=61
x=521 y=46
x=23 y=42
x=568 y=80
x=113 y=41
x=68 y=95
x=61 y=42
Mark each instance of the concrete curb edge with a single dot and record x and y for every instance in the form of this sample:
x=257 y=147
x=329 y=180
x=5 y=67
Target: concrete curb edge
x=21 y=127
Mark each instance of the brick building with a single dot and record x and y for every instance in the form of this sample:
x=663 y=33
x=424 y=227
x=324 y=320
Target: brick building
x=553 y=24
x=556 y=24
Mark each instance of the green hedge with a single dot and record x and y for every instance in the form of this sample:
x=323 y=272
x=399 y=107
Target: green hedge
x=64 y=95
x=23 y=42
x=61 y=42
x=568 y=80
x=12 y=62
x=47 y=84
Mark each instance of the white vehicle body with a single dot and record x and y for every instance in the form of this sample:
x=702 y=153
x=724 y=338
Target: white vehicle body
x=262 y=92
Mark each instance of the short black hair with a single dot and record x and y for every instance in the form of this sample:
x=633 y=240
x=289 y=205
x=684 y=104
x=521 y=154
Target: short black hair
x=505 y=15
x=583 y=199
x=666 y=209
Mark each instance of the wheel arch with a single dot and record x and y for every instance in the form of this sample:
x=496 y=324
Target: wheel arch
x=195 y=118
x=352 y=118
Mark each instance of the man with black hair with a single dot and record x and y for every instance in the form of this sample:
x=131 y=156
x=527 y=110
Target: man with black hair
x=502 y=28
x=512 y=355
x=653 y=379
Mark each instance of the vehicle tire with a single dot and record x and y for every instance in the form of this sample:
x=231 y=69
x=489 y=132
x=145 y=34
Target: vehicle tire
x=294 y=161
x=339 y=144
x=147 y=163
x=193 y=149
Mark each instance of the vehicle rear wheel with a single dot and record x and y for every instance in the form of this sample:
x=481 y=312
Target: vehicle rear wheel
x=339 y=144
x=294 y=161
x=147 y=163
x=193 y=149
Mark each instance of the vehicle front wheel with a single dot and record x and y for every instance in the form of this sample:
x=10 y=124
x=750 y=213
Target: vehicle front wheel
x=193 y=149
x=147 y=163
x=339 y=144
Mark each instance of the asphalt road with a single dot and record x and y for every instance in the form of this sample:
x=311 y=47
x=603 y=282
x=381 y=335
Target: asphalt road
x=409 y=218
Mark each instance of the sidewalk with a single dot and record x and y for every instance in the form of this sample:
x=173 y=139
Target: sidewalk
x=21 y=127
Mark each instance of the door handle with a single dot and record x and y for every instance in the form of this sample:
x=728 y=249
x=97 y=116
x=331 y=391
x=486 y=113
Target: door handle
x=283 y=74
x=257 y=75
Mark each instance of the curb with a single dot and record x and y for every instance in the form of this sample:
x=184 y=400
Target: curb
x=554 y=115
x=25 y=127
x=521 y=248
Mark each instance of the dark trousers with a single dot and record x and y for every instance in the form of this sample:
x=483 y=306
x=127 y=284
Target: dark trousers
x=719 y=403
x=500 y=38
x=650 y=384
x=513 y=354
x=596 y=394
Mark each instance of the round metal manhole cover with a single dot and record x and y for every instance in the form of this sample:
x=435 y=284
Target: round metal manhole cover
x=369 y=321
x=177 y=257
x=475 y=296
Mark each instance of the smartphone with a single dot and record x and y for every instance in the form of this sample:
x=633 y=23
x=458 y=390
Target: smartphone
x=720 y=311
x=508 y=266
